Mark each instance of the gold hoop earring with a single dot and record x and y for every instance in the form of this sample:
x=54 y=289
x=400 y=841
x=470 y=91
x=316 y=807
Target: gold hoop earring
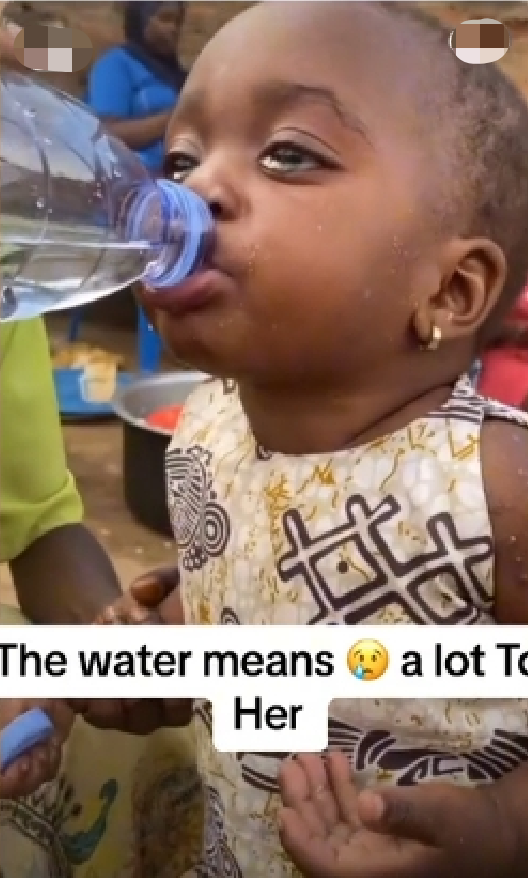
x=436 y=337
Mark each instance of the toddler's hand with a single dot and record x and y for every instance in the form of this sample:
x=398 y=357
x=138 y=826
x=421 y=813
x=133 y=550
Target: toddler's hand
x=144 y=604
x=42 y=762
x=141 y=605
x=431 y=830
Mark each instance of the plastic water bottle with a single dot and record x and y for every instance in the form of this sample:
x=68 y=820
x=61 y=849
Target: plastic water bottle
x=80 y=217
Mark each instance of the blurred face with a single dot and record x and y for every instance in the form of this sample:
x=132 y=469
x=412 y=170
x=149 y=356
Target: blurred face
x=295 y=128
x=162 y=32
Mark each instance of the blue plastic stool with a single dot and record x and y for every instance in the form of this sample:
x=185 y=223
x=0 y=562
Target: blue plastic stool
x=149 y=342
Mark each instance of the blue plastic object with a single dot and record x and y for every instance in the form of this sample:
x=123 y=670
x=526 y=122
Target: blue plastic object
x=72 y=401
x=26 y=731
x=149 y=344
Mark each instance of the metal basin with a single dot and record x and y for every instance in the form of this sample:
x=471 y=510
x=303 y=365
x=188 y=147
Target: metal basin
x=144 y=446
x=147 y=395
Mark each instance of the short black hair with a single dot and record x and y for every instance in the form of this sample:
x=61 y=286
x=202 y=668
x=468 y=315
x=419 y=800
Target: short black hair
x=481 y=118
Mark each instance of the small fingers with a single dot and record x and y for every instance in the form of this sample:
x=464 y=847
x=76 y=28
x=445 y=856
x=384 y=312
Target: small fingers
x=125 y=612
x=62 y=716
x=45 y=761
x=109 y=616
x=321 y=792
x=137 y=615
x=28 y=773
x=144 y=716
x=346 y=794
x=150 y=590
x=297 y=797
x=103 y=713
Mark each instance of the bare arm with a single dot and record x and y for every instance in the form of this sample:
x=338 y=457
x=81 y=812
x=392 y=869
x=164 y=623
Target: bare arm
x=505 y=469
x=139 y=133
x=64 y=577
x=504 y=448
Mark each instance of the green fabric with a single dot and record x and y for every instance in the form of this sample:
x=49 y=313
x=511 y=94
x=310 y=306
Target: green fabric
x=37 y=493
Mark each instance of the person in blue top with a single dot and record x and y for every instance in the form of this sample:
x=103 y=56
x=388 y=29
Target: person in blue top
x=133 y=88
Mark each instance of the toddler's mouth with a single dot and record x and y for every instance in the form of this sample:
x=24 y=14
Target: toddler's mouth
x=195 y=293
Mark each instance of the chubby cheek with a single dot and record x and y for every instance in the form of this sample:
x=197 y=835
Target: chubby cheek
x=321 y=293
x=299 y=276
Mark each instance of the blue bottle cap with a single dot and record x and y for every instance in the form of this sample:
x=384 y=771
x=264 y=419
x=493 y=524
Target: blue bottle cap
x=183 y=207
x=27 y=730
x=174 y=221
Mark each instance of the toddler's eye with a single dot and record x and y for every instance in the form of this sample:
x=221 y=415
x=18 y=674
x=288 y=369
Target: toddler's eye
x=177 y=165
x=289 y=158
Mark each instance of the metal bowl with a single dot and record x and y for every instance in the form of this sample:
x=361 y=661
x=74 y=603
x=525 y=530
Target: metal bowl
x=146 y=395
x=144 y=446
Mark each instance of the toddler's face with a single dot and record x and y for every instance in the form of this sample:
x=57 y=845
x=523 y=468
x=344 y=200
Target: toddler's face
x=295 y=132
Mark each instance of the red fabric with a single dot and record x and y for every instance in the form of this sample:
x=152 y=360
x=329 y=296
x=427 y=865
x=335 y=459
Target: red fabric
x=504 y=376
x=520 y=312
x=504 y=373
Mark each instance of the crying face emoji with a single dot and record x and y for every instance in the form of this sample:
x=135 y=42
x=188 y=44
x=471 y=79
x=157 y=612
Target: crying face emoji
x=367 y=660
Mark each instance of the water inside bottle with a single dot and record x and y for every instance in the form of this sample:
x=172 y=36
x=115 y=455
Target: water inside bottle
x=65 y=275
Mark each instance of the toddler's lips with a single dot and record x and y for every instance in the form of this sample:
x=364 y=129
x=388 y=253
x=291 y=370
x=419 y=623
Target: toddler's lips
x=193 y=294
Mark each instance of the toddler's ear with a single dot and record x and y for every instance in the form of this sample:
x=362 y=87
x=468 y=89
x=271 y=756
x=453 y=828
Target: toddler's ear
x=473 y=277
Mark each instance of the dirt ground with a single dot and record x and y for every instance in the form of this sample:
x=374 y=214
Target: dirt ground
x=94 y=456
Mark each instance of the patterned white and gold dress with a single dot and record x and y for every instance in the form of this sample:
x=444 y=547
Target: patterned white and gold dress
x=394 y=532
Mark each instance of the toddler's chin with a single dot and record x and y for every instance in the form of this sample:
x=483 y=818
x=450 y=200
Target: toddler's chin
x=198 y=347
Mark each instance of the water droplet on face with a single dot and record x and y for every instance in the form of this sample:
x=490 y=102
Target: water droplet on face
x=359 y=673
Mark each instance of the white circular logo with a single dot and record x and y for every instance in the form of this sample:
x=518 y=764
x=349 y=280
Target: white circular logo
x=480 y=40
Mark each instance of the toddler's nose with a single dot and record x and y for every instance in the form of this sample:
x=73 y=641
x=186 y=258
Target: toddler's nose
x=215 y=183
